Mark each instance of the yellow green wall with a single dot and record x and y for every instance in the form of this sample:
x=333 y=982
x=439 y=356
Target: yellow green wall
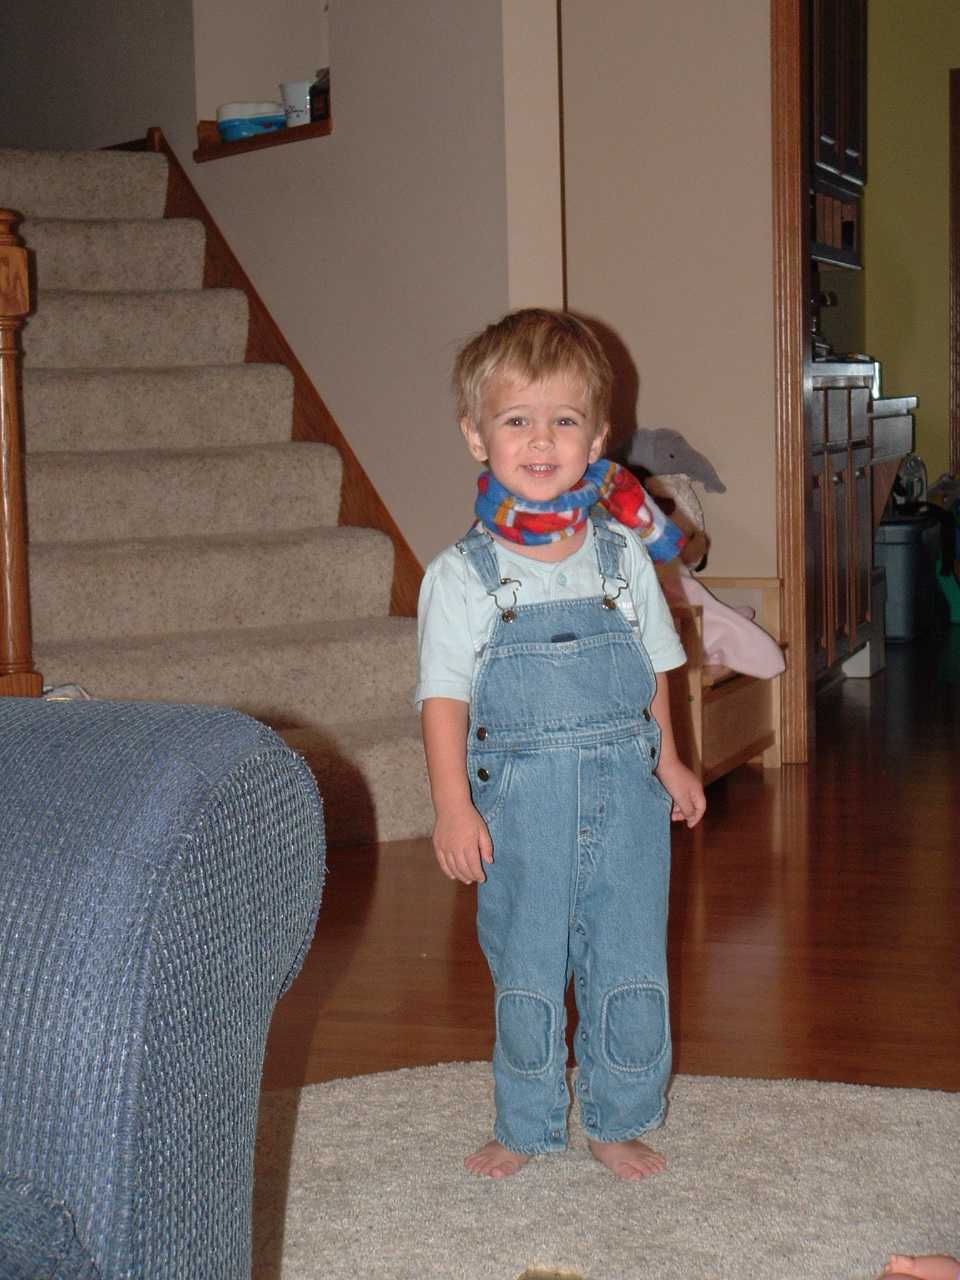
x=912 y=44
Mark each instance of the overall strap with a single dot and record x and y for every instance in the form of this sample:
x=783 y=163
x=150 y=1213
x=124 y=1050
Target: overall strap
x=477 y=546
x=609 y=546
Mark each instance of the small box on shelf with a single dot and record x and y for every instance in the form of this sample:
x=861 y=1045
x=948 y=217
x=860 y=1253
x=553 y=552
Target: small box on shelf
x=210 y=146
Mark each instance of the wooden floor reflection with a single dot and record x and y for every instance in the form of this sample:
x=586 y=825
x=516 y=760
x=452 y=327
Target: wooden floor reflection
x=813 y=928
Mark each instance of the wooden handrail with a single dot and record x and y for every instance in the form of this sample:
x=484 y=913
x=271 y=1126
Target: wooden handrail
x=17 y=675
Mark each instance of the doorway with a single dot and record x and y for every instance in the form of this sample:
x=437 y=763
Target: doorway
x=789 y=40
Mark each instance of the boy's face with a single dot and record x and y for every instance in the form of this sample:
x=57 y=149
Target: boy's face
x=537 y=438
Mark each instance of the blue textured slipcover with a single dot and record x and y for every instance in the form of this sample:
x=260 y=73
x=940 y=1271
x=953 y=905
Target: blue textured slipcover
x=160 y=874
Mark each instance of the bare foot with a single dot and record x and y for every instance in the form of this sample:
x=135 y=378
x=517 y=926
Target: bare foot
x=929 y=1266
x=631 y=1160
x=493 y=1160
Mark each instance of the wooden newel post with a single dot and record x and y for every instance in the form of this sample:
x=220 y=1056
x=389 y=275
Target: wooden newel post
x=17 y=674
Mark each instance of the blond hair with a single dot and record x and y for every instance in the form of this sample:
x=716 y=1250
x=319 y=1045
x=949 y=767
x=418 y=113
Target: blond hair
x=533 y=344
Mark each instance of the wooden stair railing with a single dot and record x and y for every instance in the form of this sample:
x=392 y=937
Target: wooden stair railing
x=17 y=675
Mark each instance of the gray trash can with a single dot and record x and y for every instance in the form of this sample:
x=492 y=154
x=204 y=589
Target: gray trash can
x=906 y=546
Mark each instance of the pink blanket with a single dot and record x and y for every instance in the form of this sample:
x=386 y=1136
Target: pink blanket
x=730 y=637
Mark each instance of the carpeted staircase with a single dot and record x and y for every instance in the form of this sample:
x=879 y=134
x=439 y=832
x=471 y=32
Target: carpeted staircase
x=182 y=547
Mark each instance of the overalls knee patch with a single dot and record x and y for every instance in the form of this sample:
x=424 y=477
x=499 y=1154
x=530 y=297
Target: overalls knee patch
x=526 y=1031
x=633 y=1019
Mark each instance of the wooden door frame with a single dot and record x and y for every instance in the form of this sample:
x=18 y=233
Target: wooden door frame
x=791 y=366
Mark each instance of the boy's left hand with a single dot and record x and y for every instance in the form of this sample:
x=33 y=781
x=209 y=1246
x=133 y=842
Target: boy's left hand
x=689 y=802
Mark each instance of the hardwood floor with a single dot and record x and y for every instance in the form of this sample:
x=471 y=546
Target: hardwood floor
x=814 y=928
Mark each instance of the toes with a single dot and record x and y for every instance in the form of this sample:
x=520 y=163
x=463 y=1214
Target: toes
x=901 y=1264
x=494 y=1161
x=630 y=1161
x=635 y=1170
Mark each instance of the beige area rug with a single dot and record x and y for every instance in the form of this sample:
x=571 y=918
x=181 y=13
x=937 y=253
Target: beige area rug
x=767 y=1180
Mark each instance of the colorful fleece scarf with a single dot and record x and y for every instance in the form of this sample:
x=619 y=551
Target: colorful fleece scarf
x=612 y=486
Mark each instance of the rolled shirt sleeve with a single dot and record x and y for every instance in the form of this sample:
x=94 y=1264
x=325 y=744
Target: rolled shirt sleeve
x=654 y=620
x=445 y=648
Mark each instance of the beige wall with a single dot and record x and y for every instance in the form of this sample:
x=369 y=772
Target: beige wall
x=669 y=234
x=910 y=50
x=380 y=248
x=243 y=49
x=531 y=97
x=94 y=74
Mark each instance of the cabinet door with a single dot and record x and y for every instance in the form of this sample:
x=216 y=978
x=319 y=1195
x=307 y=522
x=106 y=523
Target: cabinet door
x=861 y=516
x=825 y=31
x=853 y=90
x=818 y=418
x=838 y=415
x=839 y=40
x=838 y=554
x=817 y=566
x=860 y=415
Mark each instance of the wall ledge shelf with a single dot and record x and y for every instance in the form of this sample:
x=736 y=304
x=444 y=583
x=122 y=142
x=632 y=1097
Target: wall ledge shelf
x=210 y=146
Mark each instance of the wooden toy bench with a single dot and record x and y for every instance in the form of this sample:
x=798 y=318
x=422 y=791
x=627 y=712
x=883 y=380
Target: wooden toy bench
x=723 y=719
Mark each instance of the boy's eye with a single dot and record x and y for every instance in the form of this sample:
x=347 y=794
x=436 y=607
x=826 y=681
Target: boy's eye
x=516 y=422
x=566 y=422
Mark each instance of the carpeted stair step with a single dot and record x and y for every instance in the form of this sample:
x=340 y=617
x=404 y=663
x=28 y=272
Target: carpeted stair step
x=111 y=255
x=181 y=546
x=231 y=404
x=137 y=330
x=83 y=184
x=95 y=590
x=373 y=778
x=302 y=675
x=167 y=493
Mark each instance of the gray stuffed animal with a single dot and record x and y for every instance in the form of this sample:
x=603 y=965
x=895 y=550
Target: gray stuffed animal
x=672 y=466
x=663 y=452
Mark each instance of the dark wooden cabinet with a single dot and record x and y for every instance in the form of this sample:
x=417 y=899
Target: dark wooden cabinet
x=840 y=560
x=838 y=113
x=843 y=501
x=856 y=440
x=842 y=511
x=853 y=90
x=861 y=528
x=825 y=29
x=839 y=31
x=817 y=564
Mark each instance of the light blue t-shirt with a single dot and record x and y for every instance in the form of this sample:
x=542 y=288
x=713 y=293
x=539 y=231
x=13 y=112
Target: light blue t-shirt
x=455 y=615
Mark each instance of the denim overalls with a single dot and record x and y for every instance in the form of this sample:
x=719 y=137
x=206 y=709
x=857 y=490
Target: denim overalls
x=561 y=751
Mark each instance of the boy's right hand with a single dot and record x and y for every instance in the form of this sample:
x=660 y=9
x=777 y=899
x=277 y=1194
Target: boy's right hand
x=462 y=843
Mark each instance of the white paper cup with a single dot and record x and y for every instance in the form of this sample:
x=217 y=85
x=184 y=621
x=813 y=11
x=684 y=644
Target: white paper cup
x=296 y=101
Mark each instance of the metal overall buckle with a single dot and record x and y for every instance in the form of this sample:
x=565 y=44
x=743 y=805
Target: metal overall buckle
x=610 y=601
x=507 y=612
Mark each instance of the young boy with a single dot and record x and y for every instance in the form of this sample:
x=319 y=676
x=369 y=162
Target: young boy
x=544 y=640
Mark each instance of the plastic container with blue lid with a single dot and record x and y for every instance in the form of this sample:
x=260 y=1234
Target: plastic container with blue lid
x=236 y=120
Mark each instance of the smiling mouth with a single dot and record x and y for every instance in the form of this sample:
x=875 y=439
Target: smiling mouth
x=540 y=468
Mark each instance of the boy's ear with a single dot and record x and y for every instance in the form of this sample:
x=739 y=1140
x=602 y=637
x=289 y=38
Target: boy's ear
x=599 y=442
x=474 y=439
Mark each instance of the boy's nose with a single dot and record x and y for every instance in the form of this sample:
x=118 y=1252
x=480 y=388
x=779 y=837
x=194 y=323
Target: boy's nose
x=542 y=438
